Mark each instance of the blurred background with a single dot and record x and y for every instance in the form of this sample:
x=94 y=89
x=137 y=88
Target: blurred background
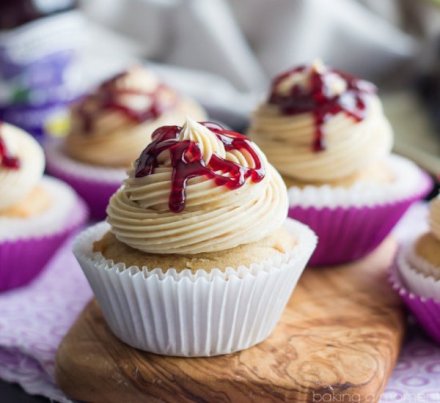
x=223 y=53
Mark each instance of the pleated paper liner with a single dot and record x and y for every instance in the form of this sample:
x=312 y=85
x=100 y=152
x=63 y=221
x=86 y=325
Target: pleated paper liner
x=425 y=309
x=348 y=227
x=23 y=257
x=204 y=313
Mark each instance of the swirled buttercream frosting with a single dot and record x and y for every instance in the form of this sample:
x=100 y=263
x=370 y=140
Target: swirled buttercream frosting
x=21 y=165
x=197 y=188
x=320 y=124
x=109 y=126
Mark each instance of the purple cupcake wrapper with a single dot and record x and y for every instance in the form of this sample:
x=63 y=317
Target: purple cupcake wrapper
x=94 y=192
x=346 y=234
x=426 y=310
x=21 y=260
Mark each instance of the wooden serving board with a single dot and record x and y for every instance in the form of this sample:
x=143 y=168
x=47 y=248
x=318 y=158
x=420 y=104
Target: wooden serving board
x=337 y=341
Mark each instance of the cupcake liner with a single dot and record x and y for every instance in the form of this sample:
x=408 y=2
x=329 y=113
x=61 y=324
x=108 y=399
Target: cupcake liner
x=349 y=228
x=94 y=184
x=23 y=258
x=193 y=314
x=426 y=310
x=416 y=277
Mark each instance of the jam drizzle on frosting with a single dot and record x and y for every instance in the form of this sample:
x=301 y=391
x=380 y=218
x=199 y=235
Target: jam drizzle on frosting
x=6 y=159
x=107 y=97
x=319 y=99
x=187 y=161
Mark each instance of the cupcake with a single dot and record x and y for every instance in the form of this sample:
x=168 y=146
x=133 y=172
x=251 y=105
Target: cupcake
x=36 y=213
x=326 y=133
x=109 y=128
x=197 y=257
x=416 y=274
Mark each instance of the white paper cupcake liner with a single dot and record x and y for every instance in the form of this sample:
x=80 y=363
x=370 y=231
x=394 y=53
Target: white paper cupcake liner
x=193 y=314
x=409 y=178
x=63 y=200
x=416 y=278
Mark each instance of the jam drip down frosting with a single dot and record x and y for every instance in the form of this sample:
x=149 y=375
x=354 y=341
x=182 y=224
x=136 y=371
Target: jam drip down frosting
x=137 y=103
x=319 y=125
x=21 y=165
x=111 y=126
x=187 y=161
x=322 y=91
x=6 y=159
x=198 y=188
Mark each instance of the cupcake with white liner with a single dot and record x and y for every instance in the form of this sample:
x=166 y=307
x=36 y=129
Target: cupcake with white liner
x=416 y=274
x=326 y=133
x=109 y=128
x=198 y=257
x=37 y=213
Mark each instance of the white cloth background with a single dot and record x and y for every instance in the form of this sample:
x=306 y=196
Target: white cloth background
x=224 y=52
x=246 y=41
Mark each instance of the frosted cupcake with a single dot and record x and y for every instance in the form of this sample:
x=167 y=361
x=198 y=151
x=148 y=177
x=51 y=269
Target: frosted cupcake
x=197 y=257
x=416 y=274
x=36 y=213
x=326 y=133
x=109 y=128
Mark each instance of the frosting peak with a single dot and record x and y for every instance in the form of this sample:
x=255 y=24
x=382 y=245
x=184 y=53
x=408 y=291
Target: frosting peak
x=21 y=165
x=320 y=124
x=205 y=139
x=322 y=91
x=200 y=150
x=198 y=188
x=135 y=94
x=111 y=125
x=434 y=217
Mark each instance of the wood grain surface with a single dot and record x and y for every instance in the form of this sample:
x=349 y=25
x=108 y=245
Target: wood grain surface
x=337 y=341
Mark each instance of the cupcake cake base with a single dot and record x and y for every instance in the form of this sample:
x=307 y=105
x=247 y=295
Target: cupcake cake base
x=194 y=313
x=343 y=354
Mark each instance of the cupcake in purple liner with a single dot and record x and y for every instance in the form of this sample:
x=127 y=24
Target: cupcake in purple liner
x=109 y=128
x=325 y=131
x=416 y=275
x=37 y=213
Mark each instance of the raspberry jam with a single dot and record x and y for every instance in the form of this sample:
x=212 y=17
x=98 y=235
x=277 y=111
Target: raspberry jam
x=108 y=98
x=6 y=159
x=319 y=100
x=187 y=161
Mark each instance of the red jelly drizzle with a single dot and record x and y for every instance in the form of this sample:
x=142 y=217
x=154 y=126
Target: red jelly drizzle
x=187 y=161
x=319 y=101
x=6 y=159
x=106 y=98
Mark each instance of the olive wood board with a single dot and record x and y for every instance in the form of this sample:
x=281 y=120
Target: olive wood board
x=338 y=340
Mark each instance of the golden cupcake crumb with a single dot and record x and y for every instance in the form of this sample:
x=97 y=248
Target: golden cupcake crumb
x=36 y=202
x=279 y=241
x=428 y=248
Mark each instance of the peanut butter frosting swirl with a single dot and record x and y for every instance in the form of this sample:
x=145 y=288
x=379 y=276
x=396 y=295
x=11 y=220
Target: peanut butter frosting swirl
x=112 y=124
x=241 y=201
x=434 y=217
x=21 y=167
x=321 y=125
